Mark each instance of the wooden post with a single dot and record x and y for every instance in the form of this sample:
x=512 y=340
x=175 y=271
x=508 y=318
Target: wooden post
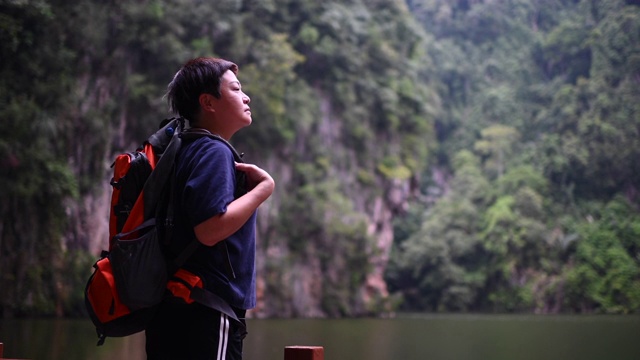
x=304 y=353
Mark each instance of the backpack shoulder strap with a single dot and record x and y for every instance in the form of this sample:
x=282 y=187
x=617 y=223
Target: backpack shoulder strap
x=155 y=184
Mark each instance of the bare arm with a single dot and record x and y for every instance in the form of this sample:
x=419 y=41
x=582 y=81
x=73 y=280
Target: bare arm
x=220 y=227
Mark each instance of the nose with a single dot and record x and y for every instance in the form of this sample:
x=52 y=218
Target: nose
x=246 y=99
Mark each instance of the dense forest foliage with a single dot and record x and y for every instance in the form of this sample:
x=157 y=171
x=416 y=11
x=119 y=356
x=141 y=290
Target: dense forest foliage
x=540 y=145
x=499 y=138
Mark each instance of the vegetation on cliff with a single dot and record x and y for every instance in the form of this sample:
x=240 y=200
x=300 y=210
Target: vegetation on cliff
x=501 y=138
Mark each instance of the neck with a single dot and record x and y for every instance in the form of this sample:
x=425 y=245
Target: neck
x=210 y=127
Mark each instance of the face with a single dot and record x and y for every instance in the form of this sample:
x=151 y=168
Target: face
x=232 y=109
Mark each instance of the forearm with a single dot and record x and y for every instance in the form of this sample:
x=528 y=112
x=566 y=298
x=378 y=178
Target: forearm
x=220 y=227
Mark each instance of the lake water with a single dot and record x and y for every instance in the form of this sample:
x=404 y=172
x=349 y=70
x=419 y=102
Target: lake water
x=406 y=337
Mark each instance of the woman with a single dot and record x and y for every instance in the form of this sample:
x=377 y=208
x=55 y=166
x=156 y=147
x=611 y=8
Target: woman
x=211 y=205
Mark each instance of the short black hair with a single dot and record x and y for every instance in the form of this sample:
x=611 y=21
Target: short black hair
x=198 y=76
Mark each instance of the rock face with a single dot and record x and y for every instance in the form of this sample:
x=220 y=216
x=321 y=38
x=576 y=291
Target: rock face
x=335 y=272
x=89 y=222
x=381 y=228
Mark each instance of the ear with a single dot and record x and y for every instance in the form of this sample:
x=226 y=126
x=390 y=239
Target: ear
x=207 y=102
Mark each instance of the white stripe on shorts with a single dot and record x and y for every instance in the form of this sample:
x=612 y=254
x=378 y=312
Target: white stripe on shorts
x=223 y=339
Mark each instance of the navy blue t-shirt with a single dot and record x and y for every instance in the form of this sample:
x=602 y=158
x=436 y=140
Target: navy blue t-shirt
x=205 y=185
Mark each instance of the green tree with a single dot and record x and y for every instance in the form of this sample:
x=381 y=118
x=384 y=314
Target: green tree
x=605 y=274
x=35 y=181
x=441 y=267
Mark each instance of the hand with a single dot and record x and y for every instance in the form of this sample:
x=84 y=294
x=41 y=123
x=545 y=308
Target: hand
x=221 y=226
x=257 y=178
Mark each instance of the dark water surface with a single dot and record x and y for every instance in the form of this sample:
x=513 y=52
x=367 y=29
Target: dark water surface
x=407 y=337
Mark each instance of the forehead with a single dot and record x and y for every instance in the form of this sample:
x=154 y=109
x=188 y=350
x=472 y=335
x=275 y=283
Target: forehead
x=229 y=77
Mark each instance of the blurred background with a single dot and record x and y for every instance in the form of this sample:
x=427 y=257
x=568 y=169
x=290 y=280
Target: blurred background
x=439 y=156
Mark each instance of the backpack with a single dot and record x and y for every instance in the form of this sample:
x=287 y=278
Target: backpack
x=133 y=277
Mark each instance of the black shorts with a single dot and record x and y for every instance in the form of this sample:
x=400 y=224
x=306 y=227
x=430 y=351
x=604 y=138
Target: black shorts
x=181 y=331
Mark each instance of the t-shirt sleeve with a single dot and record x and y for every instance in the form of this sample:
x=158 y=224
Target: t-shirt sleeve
x=210 y=183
